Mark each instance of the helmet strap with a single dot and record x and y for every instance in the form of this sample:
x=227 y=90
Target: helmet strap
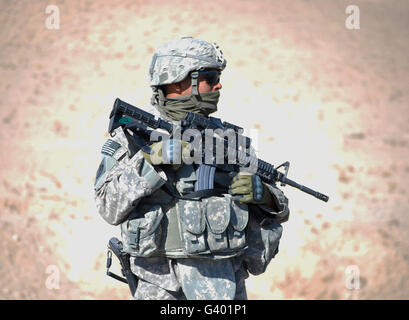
x=195 y=88
x=195 y=96
x=195 y=76
x=161 y=97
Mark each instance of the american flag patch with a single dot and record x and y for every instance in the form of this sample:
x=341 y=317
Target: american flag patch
x=110 y=147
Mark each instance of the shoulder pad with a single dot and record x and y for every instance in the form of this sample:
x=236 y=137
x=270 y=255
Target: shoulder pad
x=112 y=152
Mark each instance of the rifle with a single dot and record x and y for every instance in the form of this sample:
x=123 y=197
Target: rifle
x=115 y=246
x=141 y=122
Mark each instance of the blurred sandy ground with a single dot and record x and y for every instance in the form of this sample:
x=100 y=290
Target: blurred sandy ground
x=332 y=101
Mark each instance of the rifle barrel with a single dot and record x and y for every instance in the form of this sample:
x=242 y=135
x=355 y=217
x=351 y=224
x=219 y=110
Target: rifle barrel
x=305 y=189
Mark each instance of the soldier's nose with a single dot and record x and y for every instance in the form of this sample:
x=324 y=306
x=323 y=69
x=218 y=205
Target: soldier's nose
x=218 y=86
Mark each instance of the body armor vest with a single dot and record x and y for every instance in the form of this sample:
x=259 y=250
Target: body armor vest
x=213 y=227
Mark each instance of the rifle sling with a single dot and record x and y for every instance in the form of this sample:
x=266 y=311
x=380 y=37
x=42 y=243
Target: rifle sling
x=113 y=275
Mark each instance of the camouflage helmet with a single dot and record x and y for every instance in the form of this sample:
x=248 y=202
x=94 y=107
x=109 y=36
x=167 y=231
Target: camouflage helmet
x=173 y=61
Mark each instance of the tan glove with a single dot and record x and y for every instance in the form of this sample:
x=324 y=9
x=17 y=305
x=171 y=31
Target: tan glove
x=248 y=188
x=169 y=151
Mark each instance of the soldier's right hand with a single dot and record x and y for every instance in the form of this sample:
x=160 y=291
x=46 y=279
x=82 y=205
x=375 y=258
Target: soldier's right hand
x=170 y=151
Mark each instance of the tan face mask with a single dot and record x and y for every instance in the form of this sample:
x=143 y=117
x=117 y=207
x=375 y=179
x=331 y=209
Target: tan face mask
x=176 y=108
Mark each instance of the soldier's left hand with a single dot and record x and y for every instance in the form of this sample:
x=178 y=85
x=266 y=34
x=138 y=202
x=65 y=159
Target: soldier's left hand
x=170 y=151
x=248 y=188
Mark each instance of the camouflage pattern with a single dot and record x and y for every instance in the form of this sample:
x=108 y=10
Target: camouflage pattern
x=174 y=60
x=204 y=279
x=128 y=189
x=220 y=240
x=142 y=232
x=211 y=228
x=281 y=212
x=238 y=222
x=217 y=220
x=193 y=279
x=265 y=237
x=149 y=291
x=159 y=271
x=192 y=226
x=123 y=186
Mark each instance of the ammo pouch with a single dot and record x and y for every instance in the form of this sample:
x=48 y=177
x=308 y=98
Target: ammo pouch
x=213 y=225
x=142 y=231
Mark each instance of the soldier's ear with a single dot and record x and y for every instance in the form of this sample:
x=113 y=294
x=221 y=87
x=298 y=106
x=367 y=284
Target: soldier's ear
x=184 y=85
x=179 y=87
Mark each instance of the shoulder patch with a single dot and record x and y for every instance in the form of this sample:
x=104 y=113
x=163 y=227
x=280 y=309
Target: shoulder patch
x=110 y=147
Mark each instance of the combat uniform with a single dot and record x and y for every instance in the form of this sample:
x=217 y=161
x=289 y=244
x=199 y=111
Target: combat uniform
x=183 y=249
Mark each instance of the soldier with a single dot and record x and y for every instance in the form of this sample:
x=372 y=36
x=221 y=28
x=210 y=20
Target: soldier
x=182 y=248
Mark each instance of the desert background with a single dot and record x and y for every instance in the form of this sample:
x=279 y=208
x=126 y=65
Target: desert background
x=332 y=101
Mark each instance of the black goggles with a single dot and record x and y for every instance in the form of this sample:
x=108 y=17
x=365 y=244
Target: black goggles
x=212 y=77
